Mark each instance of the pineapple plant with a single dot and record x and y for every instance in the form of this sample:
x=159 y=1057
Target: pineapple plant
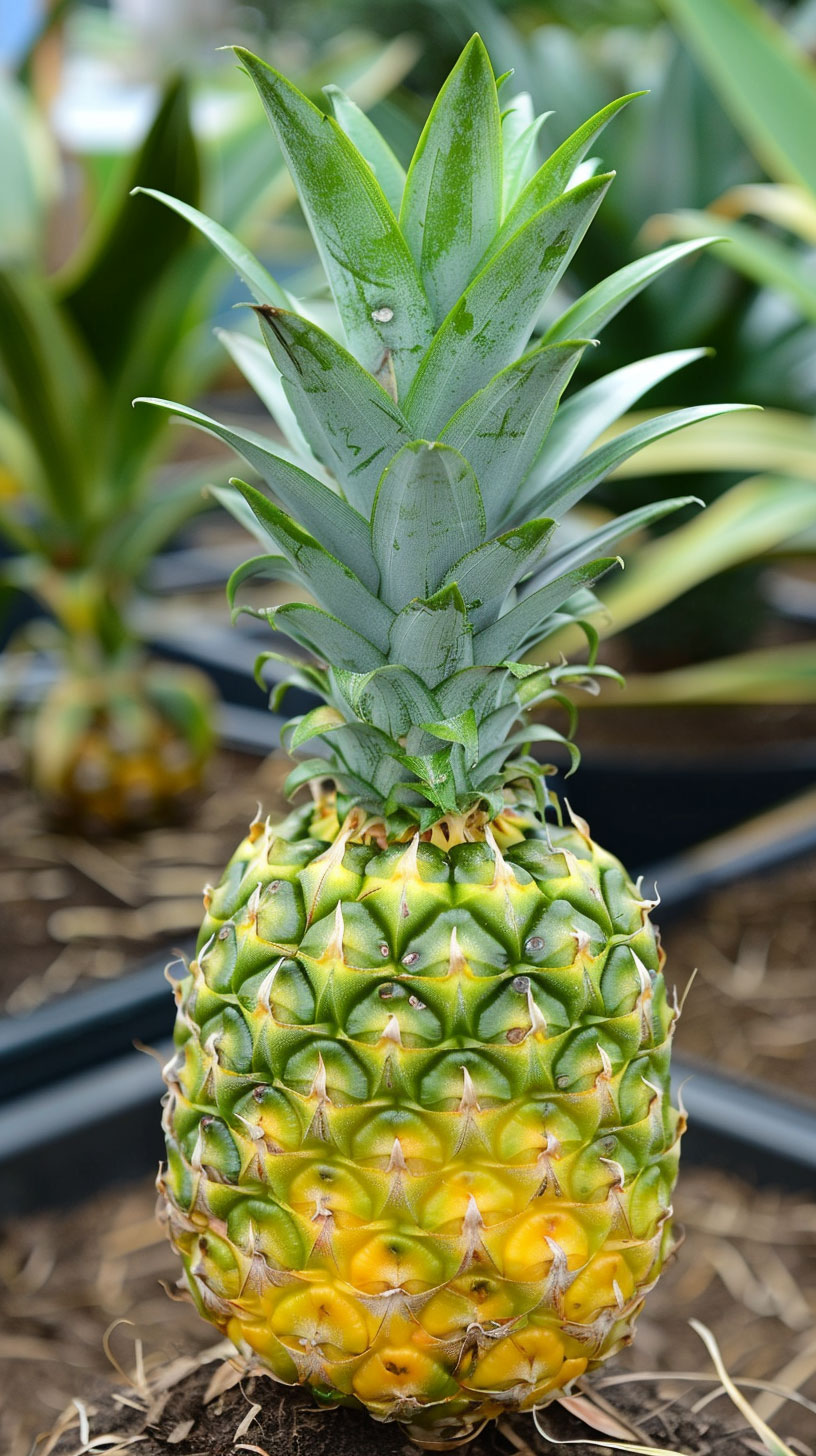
x=420 y=1140
x=117 y=740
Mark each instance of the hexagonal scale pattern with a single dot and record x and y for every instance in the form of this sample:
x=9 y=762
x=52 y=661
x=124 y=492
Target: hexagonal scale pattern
x=420 y=1143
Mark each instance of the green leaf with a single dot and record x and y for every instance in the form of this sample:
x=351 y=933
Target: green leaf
x=495 y=727
x=451 y=207
x=765 y=83
x=31 y=174
x=502 y=429
x=324 y=514
x=785 y=673
x=253 y=360
x=304 y=773
x=135 y=538
x=612 y=532
x=328 y=638
x=332 y=584
x=591 y=410
x=764 y=259
x=314 y=724
x=51 y=385
x=235 y=506
x=20 y=466
x=486 y=575
x=479 y=688
x=551 y=179
x=532 y=733
x=366 y=754
x=271 y=568
x=436 y=777
x=512 y=632
x=785 y=206
x=304 y=675
x=391 y=698
x=593 y=310
x=570 y=487
x=433 y=637
x=260 y=283
x=350 y=422
x=745 y=522
x=494 y=318
x=520 y=130
x=428 y=512
x=373 y=277
x=462 y=728
x=370 y=144
x=776 y=441
x=104 y=289
x=16 y=532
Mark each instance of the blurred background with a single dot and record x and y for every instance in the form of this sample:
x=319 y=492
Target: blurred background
x=135 y=742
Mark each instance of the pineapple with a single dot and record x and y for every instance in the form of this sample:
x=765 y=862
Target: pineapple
x=121 y=748
x=421 y=1147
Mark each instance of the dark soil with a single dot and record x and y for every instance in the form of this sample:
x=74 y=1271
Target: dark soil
x=746 y=1269
x=256 y=1415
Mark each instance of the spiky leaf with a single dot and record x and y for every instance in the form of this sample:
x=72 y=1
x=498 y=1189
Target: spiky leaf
x=351 y=424
x=494 y=318
x=368 y=263
x=451 y=207
x=428 y=512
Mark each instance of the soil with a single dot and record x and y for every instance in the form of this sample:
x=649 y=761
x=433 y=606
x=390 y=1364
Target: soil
x=746 y=1269
x=184 y=1422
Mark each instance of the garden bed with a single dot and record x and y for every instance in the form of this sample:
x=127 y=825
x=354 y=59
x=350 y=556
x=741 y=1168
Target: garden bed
x=746 y=1269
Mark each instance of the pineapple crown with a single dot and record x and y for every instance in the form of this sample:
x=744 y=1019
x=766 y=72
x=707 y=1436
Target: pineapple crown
x=428 y=457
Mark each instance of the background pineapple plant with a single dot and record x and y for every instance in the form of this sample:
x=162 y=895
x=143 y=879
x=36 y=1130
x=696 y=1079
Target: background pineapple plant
x=117 y=739
x=421 y=1147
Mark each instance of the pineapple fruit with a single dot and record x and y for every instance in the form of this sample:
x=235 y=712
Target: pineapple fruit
x=421 y=1146
x=122 y=748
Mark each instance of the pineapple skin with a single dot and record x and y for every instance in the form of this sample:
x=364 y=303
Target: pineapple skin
x=421 y=1148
